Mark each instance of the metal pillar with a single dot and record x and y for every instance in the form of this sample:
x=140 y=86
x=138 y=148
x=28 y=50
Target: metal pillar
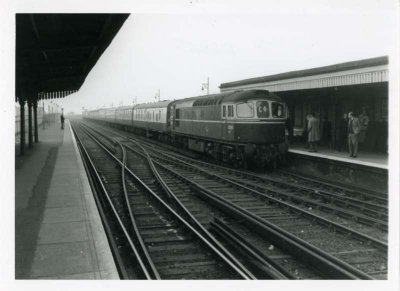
x=30 y=139
x=35 y=105
x=22 y=128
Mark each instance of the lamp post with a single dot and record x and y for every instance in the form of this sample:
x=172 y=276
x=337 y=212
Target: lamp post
x=158 y=95
x=206 y=86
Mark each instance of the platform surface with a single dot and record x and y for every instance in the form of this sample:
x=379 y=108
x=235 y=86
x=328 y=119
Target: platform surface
x=368 y=159
x=59 y=234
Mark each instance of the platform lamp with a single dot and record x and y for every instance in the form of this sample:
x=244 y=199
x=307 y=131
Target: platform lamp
x=158 y=95
x=206 y=86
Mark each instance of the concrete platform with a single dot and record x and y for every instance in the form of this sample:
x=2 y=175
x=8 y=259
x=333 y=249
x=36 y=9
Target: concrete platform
x=58 y=231
x=368 y=170
x=368 y=159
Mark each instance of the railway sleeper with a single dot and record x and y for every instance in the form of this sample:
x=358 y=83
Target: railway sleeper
x=181 y=258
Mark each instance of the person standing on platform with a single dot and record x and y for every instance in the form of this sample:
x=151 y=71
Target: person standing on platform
x=313 y=132
x=62 y=120
x=305 y=133
x=342 y=132
x=289 y=128
x=353 y=131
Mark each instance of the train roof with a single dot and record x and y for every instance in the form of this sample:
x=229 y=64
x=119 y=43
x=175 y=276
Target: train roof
x=237 y=96
x=124 y=107
x=160 y=104
x=241 y=96
x=205 y=100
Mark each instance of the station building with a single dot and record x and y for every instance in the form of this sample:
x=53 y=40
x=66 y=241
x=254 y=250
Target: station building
x=331 y=91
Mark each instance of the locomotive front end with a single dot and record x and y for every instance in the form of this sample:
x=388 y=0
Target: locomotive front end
x=257 y=122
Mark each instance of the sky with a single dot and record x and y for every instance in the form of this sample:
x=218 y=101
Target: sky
x=175 y=52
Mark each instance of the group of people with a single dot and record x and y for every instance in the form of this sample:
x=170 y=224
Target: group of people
x=351 y=130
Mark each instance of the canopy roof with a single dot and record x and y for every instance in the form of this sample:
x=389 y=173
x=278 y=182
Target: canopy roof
x=55 y=52
x=349 y=73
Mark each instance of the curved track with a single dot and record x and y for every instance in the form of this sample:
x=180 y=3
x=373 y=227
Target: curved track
x=359 y=256
x=163 y=243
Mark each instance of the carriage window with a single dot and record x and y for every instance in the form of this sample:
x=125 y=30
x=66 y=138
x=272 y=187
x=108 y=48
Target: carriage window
x=230 y=110
x=245 y=110
x=223 y=111
x=278 y=110
x=262 y=109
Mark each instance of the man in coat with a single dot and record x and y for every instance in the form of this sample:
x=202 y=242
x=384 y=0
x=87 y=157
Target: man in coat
x=353 y=131
x=313 y=132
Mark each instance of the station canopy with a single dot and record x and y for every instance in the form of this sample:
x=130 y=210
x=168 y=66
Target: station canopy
x=367 y=71
x=55 y=52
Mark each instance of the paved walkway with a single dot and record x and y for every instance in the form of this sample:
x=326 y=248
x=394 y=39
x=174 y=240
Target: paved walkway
x=59 y=234
x=375 y=160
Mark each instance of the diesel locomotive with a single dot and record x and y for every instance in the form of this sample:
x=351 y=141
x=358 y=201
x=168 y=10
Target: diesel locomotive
x=238 y=127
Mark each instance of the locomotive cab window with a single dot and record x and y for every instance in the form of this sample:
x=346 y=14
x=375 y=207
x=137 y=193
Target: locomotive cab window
x=224 y=111
x=245 y=110
x=278 y=110
x=262 y=109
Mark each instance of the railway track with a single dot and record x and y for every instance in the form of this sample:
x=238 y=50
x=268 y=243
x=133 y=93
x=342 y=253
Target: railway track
x=342 y=205
x=365 y=254
x=333 y=239
x=264 y=270
x=377 y=197
x=163 y=245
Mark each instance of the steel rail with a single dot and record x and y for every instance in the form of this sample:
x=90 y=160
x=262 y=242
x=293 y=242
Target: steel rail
x=321 y=193
x=340 y=227
x=296 y=246
x=148 y=259
x=256 y=257
x=260 y=177
x=176 y=215
x=323 y=220
x=224 y=252
x=355 y=189
x=114 y=211
x=356 y=270
x=241 y=172
x=288 y=205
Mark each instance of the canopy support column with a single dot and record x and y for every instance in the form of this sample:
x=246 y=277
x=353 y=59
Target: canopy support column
x=30 y=139
x=35 y=105
x=22 y=127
